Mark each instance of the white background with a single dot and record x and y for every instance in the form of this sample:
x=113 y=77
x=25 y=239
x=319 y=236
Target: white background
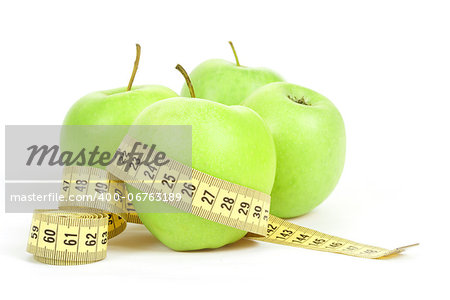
x=386 y=66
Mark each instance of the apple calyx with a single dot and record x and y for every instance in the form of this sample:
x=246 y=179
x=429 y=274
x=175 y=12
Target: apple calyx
x=301 y=100
x=136 y=64
x=188 y=80
x=235 y=55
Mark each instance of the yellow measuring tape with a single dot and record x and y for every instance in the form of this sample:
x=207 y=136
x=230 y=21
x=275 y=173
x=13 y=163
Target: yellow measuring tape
x=201 y=194
x=78 y=232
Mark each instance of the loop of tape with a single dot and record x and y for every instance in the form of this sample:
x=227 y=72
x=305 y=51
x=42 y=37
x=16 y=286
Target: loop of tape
x=78 y=232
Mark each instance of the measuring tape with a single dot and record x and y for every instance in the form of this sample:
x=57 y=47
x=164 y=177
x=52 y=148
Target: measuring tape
x=68 y=237
x=78 y=232
x=104 y=191
x=202 y=195
x=282 y=232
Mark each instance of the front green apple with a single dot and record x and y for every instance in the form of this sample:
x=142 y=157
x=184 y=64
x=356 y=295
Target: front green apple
x=226 y=82
x=231 y=143
x=309 y=136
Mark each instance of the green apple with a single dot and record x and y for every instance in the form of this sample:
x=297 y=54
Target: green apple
x=112 y=107
x=118 y=106
x=227 y=82
x=229 y=142
x=309 y=136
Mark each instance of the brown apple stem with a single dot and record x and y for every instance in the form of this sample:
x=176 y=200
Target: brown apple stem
x=234 y=52
x=188 y=80
x=136 y=64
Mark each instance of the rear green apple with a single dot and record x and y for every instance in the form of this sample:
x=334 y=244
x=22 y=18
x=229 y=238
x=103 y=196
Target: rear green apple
x=229 y=142
x=227 y=82
x=309 y=136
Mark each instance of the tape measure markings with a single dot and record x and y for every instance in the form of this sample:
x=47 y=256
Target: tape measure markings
x=94 y=221
x=244 y=213
x=54 y=233
x=285 y=233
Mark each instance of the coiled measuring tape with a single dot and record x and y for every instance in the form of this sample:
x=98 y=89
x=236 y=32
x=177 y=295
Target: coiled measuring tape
x=78 y=232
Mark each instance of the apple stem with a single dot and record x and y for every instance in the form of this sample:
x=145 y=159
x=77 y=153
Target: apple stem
x=188 y=80
x=136 y=64
x=234 y=52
